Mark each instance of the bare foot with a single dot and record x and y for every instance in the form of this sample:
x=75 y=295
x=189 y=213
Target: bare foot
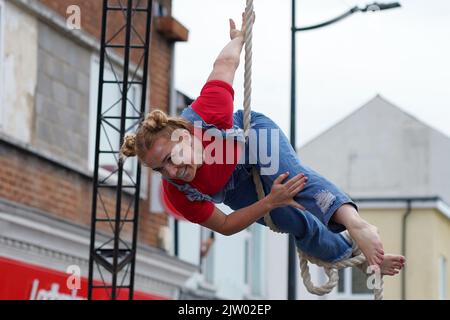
x=368 y=241
x=392 y=264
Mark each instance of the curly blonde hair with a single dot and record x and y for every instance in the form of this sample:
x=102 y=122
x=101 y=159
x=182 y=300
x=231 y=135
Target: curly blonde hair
x=155 y=125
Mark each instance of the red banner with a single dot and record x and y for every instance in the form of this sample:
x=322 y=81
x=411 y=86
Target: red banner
x=23 y=281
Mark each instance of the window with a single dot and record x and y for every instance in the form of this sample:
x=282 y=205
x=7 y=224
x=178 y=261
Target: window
x=353 y=284
x=156 y=204
x=208 y=260
x=254 y=260
x=181 y=102
x=178 y=104
x=257 y=255
x=247 y=259
x=109 y=136
x=159 y=10
x=442 y=278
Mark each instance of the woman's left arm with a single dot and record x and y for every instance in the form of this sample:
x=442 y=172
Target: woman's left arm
x=228 y=60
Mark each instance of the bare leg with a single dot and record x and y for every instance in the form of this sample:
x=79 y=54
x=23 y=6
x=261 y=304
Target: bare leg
x=365 y=234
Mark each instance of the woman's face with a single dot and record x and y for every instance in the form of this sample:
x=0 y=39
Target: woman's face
x=174 y=159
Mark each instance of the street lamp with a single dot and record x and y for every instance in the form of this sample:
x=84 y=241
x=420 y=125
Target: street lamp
x=370 y=7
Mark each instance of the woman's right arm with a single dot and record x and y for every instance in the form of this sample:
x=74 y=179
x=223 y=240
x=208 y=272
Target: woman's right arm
x=281 y=195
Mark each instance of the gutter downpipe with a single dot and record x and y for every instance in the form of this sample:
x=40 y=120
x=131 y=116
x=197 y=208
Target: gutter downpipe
x=404 y=219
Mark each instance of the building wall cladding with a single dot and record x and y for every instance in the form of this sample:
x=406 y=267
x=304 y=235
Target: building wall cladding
x=62 y=97
x=61 y=125
x=36 y=182
x=18 y=71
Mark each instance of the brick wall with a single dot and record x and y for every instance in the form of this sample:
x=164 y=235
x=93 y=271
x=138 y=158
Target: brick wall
x=37 y=182
x=33 y=181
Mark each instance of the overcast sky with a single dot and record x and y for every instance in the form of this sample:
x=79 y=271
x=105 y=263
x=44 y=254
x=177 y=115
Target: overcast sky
x=402 y=54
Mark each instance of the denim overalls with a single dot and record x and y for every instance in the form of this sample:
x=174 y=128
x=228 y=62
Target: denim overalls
x=315 y=234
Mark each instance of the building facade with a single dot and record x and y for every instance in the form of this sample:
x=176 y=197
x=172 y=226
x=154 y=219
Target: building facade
x=396 y=169
x=48 y=87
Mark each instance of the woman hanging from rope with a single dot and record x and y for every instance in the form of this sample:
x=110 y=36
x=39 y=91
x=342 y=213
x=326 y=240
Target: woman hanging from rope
x=204 y=159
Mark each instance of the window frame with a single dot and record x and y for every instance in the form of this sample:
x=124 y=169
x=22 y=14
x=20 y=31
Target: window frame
x=254 y=258
x=208 y=264
x=247 y=260
x=257 y=288
x=155 y=203
x=348 y=284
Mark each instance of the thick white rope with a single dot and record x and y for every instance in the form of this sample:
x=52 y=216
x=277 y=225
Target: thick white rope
x=331 y=269
x=249 y=19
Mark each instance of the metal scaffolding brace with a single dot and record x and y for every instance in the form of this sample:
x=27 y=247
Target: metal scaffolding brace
x=115 y=200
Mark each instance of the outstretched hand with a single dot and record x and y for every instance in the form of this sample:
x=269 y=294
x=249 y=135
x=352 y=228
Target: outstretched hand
x=234 y=32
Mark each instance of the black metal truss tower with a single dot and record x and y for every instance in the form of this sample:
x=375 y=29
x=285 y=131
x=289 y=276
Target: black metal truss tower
x=115 y=201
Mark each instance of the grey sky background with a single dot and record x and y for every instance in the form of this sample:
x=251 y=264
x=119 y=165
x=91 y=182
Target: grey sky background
x=402 y=54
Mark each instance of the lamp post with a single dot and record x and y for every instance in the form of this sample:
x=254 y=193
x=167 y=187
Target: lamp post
x=370 y=7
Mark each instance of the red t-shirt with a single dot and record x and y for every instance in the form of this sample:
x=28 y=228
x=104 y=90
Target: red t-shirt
x=214 y=106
